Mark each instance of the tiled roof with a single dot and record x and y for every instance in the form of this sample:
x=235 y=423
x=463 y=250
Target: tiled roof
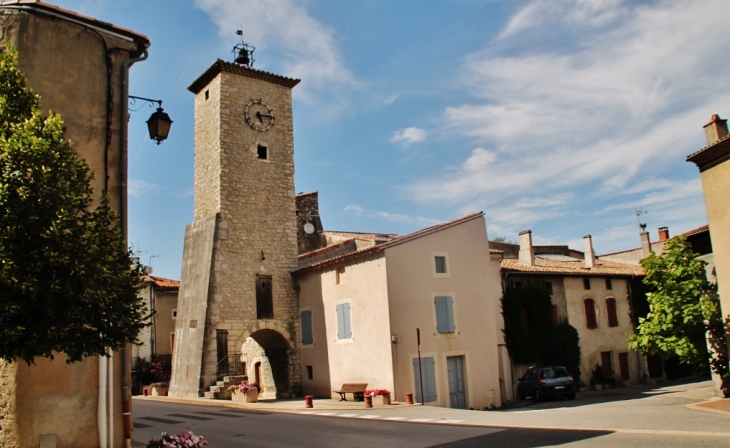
x=696 y=231
x=546 y=266
x=222 y=66
x=162 y=283
x=41 y=7
x=379 y=247
x=685 y=234
x=711 y=153
x=363 y=236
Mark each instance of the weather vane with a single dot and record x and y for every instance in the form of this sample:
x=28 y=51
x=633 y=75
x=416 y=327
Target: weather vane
x=243 y=52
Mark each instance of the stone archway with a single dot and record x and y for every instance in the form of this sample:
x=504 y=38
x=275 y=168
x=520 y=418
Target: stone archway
x=266 y=356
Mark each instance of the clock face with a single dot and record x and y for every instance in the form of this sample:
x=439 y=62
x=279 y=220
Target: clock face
x=259 y=115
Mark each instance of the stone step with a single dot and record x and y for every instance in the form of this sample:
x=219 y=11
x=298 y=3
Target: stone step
x=211 y=395
x=221 y=384
x=215 y=388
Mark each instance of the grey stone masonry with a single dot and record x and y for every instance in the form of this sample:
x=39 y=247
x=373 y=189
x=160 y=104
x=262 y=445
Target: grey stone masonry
x=252 y=193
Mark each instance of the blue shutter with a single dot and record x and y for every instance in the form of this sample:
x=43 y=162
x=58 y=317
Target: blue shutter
x=348 y=326
x=307 y=328
x=445 y=314
x=428 y=369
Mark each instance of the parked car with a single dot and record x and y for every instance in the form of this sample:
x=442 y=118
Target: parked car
x=546 y=381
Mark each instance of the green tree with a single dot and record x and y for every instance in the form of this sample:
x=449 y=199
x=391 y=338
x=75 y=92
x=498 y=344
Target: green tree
x=67 y=282
x=683 y=308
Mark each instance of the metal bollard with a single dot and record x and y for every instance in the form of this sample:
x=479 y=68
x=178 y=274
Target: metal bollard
x=308 y=400
x=368 y=401
x=409 y=398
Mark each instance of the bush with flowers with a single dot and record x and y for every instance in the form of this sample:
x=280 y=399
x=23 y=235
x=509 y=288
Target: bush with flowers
x=243 y=387
x=184 y=440
x=377 y=392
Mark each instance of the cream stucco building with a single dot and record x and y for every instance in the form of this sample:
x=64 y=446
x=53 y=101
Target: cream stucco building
x=362 y=299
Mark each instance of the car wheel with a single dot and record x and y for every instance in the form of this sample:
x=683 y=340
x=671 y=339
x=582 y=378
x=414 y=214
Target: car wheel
x=571 y=396
x=537 y=395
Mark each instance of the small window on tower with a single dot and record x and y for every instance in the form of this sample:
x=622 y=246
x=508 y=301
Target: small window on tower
x=262 y=152
x=207 y=94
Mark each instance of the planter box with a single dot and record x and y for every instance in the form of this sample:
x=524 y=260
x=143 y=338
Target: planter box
x=159 y=391
x=251 y=396
x=381 y=400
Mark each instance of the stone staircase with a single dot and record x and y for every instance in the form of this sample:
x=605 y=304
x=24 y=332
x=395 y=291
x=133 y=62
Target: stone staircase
x=220 y=390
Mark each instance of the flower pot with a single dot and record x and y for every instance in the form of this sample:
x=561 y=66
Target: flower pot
x=159 y=391
x=381 y=400
x=250 y=396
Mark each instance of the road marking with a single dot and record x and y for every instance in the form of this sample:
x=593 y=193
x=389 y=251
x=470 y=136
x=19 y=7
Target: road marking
x=450 y=421
x=395 y=418
x=369 y=416
x=326 y=413
x=421 y=420
x=349 y=415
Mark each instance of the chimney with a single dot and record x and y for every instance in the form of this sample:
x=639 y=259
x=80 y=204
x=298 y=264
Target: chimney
x=527 y=253
x=645 y=244
x=715 y=130
x=590 y=256
x=663 y=234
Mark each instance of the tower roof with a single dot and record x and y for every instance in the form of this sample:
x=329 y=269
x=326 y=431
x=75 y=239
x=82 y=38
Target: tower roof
x=222 y=66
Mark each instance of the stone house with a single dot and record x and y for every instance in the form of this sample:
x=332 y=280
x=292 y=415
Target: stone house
x=593 y=295
x=160 y=295
x=80 y=68
x=363 y=297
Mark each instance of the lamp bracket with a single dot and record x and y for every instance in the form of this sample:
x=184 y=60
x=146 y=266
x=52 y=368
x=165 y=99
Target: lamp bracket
x=133 y=100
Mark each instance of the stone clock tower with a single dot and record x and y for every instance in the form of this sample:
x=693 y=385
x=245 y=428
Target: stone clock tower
x=237 y=302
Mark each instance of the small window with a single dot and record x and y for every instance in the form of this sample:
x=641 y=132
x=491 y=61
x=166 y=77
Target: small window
x=344 y=328
x=174 y=314
x=262 y=152
x=310 y=374
x=590 y=307
x=609 y=286
x=440 y=264
x=445 y=314
x=207 y=94
x=307 y=338
x=264 y=297
x=549 y=287
x=611 y=312
x=340 y=275
x=586 y=283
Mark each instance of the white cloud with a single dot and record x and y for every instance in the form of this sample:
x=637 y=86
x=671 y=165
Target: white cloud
x=138 y=188
x=390 y=99
x=305 y=48
x=408 y=136
x=391 y=217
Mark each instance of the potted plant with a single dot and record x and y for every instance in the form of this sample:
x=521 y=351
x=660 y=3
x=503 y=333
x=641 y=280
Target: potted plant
x=245 y=392
x=159 y=389
x=184 y=440
x=381 y=397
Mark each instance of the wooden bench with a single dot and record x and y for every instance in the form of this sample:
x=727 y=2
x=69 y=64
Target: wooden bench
x=356 y=389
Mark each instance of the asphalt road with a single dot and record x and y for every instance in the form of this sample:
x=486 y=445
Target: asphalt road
x=645 y=417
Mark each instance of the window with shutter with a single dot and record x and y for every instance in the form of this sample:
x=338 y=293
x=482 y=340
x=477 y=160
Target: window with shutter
x=590 y=307
x=428 y=371
x=445 y=314
x=344 y=331
x=307 y=338
x=611 y=312
x=608 y=284
x=586 y=283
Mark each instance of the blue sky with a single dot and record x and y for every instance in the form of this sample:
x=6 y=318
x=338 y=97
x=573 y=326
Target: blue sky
x=561 y=117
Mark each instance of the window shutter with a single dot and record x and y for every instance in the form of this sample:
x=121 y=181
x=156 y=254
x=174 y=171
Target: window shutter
x=428 y=369
x=346 y=313
x=307 y=327
x=590 y=307
x=340 y=321
x=445 y=314
x=611 y=312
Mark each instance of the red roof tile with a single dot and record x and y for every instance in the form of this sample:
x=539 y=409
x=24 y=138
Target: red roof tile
x=544 y=266
x=163 y=283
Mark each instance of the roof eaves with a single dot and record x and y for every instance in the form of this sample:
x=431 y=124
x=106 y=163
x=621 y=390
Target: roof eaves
x=430 y=230
x=222 y=66
x=337 y=260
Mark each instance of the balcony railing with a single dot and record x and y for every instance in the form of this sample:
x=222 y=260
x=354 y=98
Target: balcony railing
x=230 y=365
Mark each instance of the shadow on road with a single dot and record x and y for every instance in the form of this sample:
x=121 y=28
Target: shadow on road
x=590 y=397
x=525 y=438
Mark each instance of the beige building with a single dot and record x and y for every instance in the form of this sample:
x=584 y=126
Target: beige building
x=160 y=295
x=75 y=63
x=363 y=297
x=593 y=295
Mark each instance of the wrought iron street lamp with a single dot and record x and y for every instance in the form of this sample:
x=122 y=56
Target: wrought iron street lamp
x=159 y=122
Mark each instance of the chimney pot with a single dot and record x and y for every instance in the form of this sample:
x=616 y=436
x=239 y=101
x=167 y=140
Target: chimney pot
x=663 y=233
x=527 y=252
x=715 y=130
x=645 y=244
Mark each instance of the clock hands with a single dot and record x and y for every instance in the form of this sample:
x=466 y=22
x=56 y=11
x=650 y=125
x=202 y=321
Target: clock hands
x=260 y=116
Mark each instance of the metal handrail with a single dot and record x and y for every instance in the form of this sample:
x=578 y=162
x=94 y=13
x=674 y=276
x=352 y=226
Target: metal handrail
x=230 y=365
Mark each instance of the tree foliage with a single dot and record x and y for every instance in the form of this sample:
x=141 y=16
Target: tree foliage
x=67 y=282
x=529 y=332
x=683 y=306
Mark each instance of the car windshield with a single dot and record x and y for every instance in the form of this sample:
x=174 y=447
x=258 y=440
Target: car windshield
x=555 y=373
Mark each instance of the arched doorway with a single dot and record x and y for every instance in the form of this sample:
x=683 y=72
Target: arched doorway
x=267 y=353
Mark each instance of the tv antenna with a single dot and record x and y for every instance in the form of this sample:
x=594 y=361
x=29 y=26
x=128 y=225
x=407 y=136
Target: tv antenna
x=243 y=52
x=640 y=212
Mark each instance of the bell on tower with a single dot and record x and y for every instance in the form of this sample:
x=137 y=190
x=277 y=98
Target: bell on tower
x=243 y=52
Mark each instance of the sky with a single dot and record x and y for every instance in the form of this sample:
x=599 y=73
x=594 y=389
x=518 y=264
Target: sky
x=561 y=117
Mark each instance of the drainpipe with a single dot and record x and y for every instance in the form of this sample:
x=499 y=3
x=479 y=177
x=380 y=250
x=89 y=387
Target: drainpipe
x=123 y=125
x=102 y=409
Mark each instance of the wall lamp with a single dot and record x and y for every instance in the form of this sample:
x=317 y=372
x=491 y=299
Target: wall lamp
x=159 y=122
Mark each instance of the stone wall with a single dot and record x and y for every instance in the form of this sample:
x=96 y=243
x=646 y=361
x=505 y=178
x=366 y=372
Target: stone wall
x=308 y=212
